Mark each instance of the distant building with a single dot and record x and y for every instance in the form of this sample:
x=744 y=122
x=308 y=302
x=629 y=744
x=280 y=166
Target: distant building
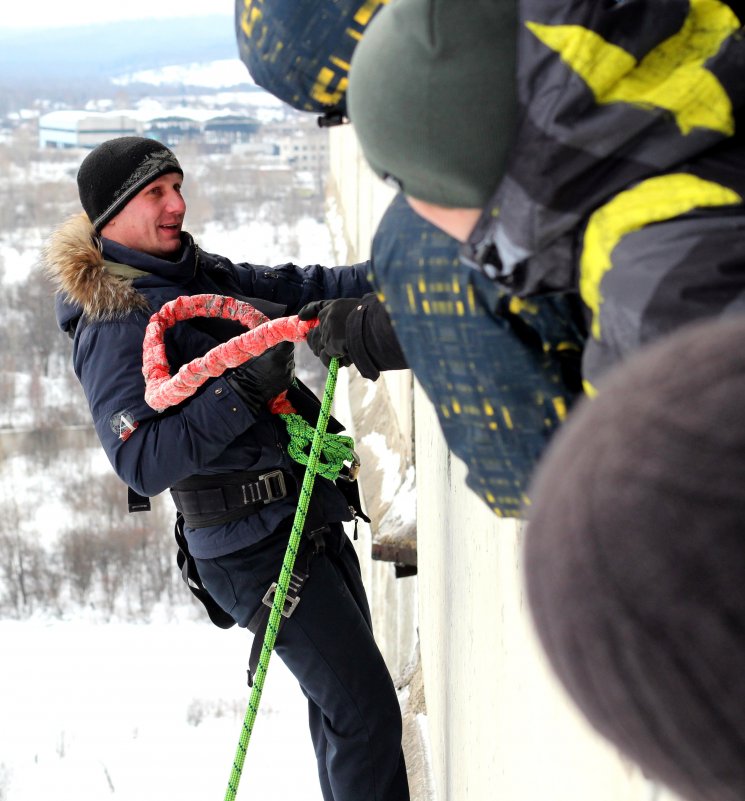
x=65 y=129
x=173 y=130
x=304 y=148
x=228 y=130
x=214 y=131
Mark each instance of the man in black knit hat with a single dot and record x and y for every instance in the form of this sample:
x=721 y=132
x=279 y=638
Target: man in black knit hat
x=635 y=559
x=117 y=170
x=221 y=452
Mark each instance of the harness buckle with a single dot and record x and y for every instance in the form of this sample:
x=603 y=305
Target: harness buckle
x=274 y=483
x=291 y=601
x=353 y=470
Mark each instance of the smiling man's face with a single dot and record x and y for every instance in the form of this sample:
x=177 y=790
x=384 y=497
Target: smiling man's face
x=151 y=222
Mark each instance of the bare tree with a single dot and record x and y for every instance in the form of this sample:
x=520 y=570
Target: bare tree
x=30 y=580
x=78 y=548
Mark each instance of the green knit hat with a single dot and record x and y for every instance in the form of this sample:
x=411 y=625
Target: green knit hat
x=432 y=97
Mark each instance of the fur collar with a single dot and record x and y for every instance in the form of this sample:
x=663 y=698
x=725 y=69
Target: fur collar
x=74 y=262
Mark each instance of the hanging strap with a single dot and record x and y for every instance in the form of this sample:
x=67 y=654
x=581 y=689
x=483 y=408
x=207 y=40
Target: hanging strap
x=190 y=575
x=258 y=623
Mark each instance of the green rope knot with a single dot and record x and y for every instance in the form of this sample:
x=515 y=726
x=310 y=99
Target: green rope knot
x=335 y=448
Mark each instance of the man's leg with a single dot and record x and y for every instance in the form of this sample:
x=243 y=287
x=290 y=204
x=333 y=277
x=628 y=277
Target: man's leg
x=328 y=645
x=354 y=715
x=320 y=746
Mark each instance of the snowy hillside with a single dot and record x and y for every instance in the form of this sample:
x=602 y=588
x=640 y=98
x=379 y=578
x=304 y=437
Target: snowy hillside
x=213 y=74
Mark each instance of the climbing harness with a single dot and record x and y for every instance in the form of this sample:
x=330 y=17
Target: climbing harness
x=162 y=390
x=300 y=574
x=214 y=500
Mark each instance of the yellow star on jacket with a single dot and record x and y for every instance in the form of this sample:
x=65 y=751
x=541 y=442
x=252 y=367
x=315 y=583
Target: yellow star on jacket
x=672 y=76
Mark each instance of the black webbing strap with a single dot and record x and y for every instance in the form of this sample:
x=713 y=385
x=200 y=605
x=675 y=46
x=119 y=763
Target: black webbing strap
x=190 y=575
x=214 y=500
x=258 y=623
x=137 y=502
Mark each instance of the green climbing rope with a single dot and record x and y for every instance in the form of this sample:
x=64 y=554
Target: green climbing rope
x=313 y=466
x=335 y=448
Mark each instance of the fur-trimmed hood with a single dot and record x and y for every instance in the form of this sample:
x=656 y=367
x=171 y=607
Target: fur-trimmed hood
x=73 y=259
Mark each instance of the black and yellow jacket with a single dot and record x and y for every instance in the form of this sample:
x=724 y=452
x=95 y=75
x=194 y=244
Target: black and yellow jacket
x=627 y=177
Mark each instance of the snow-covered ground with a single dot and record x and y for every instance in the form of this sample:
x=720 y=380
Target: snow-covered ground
x=132 y=712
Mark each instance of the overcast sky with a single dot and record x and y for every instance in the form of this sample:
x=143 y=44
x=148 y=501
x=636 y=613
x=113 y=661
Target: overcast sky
x=69 y=13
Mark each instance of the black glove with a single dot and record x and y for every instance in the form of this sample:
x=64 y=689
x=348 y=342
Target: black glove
x=265 y=376
x=329 y=338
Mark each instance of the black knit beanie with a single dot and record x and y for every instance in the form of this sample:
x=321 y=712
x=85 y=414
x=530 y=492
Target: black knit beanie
x=635 y=559
x=115 y=171
x=432 y=97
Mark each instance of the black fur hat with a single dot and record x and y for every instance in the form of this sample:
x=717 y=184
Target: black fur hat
x=115 y=171
x=635 y=559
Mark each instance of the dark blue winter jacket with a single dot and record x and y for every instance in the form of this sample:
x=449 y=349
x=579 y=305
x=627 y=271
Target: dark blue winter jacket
x=212 y=432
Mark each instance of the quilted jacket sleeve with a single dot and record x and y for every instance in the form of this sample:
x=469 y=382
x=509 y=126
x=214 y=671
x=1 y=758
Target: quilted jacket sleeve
x=151 y=451
x=295 y=286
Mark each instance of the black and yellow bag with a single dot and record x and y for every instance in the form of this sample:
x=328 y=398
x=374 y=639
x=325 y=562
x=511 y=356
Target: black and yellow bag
x=299 y=50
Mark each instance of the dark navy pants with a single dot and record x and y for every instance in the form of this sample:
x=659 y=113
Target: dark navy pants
x=328 y=645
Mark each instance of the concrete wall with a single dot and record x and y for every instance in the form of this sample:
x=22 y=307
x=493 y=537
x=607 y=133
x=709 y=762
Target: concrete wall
x=386 y=445
x=499 y=726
